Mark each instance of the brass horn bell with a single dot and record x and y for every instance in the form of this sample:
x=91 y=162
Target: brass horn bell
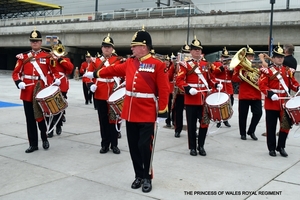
x=247 y=72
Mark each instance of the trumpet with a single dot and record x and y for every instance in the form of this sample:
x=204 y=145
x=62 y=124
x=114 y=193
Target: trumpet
x=57 y=49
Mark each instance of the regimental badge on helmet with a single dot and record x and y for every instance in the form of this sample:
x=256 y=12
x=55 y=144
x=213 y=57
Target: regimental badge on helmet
x=107 y=41
x=249 y=51
x=141 y=37
x=278 y=51
x=185 y=48
x=87 y=55
x=35 y=35
x=225 y=53
x=196 y=44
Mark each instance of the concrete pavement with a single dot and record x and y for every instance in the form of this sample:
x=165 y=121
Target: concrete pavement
x=74 y=169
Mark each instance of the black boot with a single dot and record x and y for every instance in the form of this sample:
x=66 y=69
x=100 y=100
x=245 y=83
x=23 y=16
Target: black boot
x=281 y=144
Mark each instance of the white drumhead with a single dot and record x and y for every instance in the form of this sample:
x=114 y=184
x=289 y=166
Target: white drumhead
x=293 y=102
x=216 y=98
x=46 y=92
x=118 y=94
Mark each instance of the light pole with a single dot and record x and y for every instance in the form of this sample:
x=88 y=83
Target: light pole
x=272 y=2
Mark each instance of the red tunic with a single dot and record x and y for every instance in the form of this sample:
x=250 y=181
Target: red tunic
x=26 y=72
x=63 y=67
x=183 y=80
x=269 y=82
x=224 y=76
x=246 y=91
x=137 y=109
x=104 y=85
x=83 y=69
x=170 y=70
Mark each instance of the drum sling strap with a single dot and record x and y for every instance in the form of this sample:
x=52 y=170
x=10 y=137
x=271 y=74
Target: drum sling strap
x=198 y=72
x=279 y=77
x=38 y=69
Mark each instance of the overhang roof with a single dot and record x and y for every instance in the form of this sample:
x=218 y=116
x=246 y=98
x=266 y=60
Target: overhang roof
x=13 y=7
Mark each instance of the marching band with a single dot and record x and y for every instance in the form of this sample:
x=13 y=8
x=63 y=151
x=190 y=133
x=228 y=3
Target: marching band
x=143 y=88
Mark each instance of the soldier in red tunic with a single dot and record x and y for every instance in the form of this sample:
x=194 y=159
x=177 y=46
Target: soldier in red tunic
x=102 y=89
x=195 y=79
x=223 y=75
x=146 y=98
x=83 y=69
x=275 y=82
x=63 y=67
x=249 y=96
x=30 y=73
x=170 y=70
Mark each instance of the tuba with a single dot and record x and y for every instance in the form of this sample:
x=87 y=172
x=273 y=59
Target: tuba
x=247 y=72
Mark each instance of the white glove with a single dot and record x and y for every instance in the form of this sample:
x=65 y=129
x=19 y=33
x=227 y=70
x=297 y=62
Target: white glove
x=193 y=91
x=93 y=88
x=219 y=86
x=20 y=56
x=160 y=119
x=89 y=75
x=274 y=97
x=57 y=81
x=21 y=85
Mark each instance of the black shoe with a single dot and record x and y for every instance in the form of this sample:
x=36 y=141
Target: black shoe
x=119 y=135
x=272 y=153
x=282 y=152
x=202 y=151
x=50 y=135
x=63 y=119
x=168 y=125
x=177 y=134
x=253 y=136
x=31 y=149
x=147 y=186
x=104 y=150
x=58 y=130
x=243 y=137
x=193 y=152
x=226 y=123
x=116 y=150
x=218 y=125
x=137 y=183
x=46 y=144
x=86 y=103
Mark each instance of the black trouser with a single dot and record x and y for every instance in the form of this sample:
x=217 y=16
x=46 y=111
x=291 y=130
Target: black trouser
x=87 y=93
x=193 y=114
x=32 y=132
x=140 y=143
x=256 y=109
x=169 y=119
x=177 y=112
x=55 y=117
x=108 y=132
x=272 y=117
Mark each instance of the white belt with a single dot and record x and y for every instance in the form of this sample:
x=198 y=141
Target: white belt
x=106 y=80
x=31 y=77
x=61 y=73
x=139 y=95
x=222 y=80
x=278 y=91
x=196 y=85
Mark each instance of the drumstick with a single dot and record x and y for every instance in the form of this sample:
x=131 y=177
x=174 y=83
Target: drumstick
x=297 y=93
x=121 y=85
x=203 y=90
x=29 y=84
x=284 y=97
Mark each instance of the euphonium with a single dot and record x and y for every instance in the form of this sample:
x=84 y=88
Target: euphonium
x=247 y=72
x=59 y=50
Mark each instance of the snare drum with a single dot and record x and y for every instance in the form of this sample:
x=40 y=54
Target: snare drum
x=292 y=107
x=116 y=100
x=51 y=100
x=219 y=106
